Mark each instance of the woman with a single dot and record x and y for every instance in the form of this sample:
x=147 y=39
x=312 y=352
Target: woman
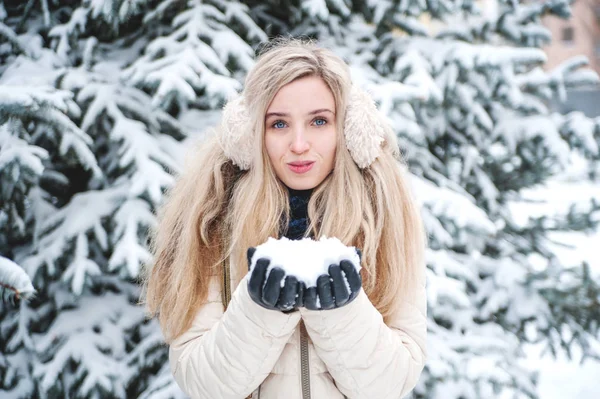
x=301 y=152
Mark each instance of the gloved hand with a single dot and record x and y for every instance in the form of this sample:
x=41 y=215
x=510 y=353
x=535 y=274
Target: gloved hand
x=335 y=289
x=271 y=295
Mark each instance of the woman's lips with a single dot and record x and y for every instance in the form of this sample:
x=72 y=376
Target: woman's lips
x=301 y=167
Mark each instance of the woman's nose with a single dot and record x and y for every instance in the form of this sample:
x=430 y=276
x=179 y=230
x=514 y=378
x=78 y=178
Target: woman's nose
x=299 y=141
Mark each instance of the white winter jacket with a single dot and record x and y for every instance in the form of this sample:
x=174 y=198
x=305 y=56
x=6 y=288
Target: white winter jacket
x=349 y=351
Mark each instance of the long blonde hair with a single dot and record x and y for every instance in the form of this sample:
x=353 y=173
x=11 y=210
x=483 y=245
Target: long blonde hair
x=215 y=211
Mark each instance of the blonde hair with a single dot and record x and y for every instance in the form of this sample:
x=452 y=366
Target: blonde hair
x=215 y=211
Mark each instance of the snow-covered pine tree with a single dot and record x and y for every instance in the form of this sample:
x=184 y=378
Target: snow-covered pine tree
x=93 y=96
x=90 y=93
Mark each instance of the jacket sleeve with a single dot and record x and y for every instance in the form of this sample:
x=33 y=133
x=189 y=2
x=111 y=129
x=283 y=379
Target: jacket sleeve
x=228 y=355
x=366 y=357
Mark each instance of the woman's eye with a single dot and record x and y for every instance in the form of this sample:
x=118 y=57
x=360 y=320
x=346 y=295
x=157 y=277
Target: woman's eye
x=282 y=124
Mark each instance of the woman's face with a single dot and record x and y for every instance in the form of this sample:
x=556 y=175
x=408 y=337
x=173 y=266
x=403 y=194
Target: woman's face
x=300 y=133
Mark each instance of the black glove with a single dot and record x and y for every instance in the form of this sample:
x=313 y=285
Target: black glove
x=271 y=295
x=332 y=290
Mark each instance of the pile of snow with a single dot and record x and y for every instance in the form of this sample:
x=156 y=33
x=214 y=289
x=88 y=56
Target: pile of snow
x=306 y=259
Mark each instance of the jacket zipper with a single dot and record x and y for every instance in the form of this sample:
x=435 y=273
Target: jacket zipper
x=226 y=285
x=304 y=363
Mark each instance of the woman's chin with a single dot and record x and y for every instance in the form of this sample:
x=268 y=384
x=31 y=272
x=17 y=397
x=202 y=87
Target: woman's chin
x=300 y=185
x=305 y=182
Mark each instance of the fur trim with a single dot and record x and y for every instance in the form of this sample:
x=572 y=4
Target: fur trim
x=365 y=130
x=236 y=134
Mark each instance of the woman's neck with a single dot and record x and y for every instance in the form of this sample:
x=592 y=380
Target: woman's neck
x=298 y=213
x=300 y=193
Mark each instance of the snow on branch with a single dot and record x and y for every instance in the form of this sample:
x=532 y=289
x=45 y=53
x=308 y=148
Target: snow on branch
x=8 y=34
x=582 y=132
x=570 y=74
x=14 y=281
x=87 y=339
x=142 y=151
x=81 y=266
x=73 y=139
x=149 y=353
x=470 y=56
x=159 y=12
x=50 y=106
x=63 y=35
x=238 y=13
x=163 y=386
x=317 y=9
x=410 y=25
x=16 y=152
x=194 y=58
x=116 y=12
x=554 y=84
x=112 y=12
x=67 y=231
x=134 y=129
x=30 y=99
x=459 y=208
x=130 y=220
x=21 y=166
x=516 y=130
x=519 y=23
x=486 y=354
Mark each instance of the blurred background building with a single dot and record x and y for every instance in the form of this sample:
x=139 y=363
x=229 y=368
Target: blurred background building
x=579 y=35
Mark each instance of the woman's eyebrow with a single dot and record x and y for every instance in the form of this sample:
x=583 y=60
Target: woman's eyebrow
x=316 y=111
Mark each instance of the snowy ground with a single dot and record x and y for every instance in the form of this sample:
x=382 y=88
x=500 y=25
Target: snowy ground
x=563 y=378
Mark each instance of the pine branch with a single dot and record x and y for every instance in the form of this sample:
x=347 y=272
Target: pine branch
x=25 y=17
x=9 y=35
x=14 y=282
x=46 y=12
x=159 y=12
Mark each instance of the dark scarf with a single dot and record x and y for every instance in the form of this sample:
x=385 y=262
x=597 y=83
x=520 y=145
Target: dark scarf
x=298 y=213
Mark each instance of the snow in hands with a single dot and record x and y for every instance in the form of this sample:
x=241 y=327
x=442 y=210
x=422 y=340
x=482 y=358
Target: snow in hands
x=305 y=259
